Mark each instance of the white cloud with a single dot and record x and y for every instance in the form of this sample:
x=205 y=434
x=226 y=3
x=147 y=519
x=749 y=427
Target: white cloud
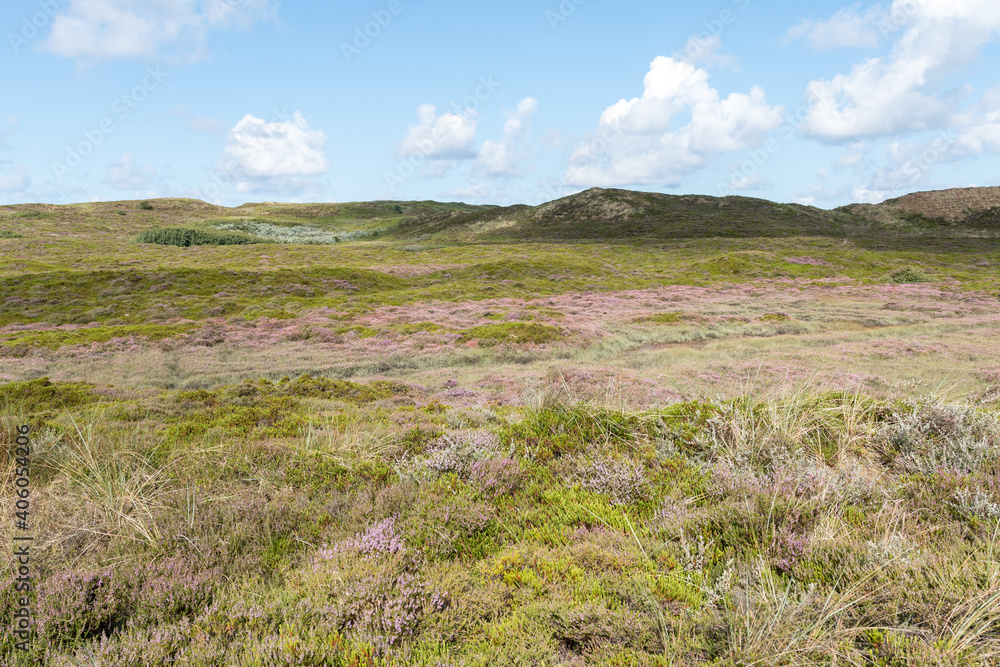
x=450 y=136
x=750 y=182
x=94 y=30
x=127 y=175
x=18 y=181
x=853 y=156
x=863 y=195
x=901 y=92
x=848 y=28
x=501 y=158
x=281 y=148
x=637 y=142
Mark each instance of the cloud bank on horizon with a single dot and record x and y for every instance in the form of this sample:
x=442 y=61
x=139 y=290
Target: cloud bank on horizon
x=229 y=100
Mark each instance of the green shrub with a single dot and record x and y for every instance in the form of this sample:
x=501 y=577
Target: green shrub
x=512 y=332
x=907 y=275
x=145 y=206
x=39 y=395
x=189 y=236
x=7 y=234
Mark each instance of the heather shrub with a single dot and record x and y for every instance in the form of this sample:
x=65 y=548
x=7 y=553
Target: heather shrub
x=583 y=628
x=495 y=478
x=387 y=607
x=305 y=646
x=790 y=544
x=456 y=453
x=935 y=435
x=977 y=504
x=624 y=481
x=173 y=590
x=138 y=647
x=381 y=538
x=79 y=606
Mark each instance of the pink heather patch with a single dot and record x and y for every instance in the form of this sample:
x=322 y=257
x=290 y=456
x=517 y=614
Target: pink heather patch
x=807 y=261
x=379 y=539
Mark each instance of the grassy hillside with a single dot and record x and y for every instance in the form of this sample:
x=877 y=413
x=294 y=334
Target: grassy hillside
x=616 y=429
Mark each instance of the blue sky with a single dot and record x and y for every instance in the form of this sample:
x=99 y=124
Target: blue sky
x=233 y=101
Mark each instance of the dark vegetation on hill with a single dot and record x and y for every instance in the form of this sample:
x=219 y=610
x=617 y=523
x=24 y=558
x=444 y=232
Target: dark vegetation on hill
x=596 y=215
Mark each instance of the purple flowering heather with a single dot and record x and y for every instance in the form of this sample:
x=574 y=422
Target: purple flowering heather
x=497 y=477
x=390 y=608
x=624 y=481
x=382 y=538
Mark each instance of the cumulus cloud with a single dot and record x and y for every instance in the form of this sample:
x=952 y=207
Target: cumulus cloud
x=279 y=148
x=448 y=136
x=643 y=140
x=501 y=157
x=16 y=181
x=906 y=90
x=127 y=175
x=848 y=28
x=94 y=30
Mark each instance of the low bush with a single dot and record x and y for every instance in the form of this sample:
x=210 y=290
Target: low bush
x=907 y=275
x=189 y=236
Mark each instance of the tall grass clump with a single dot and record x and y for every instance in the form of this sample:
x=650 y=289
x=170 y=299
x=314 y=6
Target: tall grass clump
x=111 y=469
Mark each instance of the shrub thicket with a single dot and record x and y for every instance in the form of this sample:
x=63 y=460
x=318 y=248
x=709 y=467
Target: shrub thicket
x=189 y=236
x=908 y=275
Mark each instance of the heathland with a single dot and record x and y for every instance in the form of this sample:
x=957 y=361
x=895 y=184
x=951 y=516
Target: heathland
x=620 y=428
